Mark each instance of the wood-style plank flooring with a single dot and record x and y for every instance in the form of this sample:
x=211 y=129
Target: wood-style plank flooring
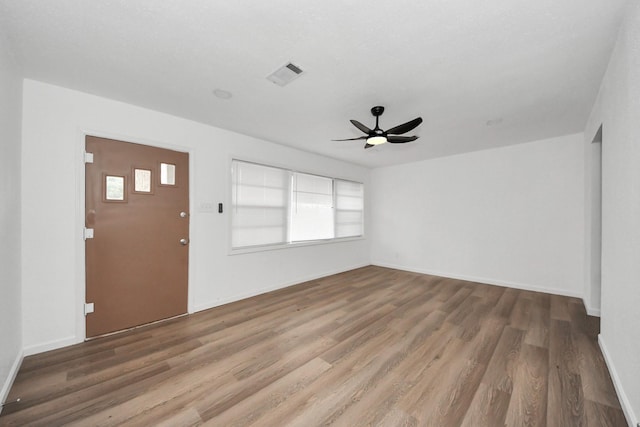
x=373 y=346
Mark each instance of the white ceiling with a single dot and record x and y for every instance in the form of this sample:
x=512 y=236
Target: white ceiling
x=535 y=64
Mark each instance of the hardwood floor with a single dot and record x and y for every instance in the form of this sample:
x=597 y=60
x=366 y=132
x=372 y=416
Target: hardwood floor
x=373 y=346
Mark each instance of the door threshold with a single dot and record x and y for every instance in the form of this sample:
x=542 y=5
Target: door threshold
x=135 y=327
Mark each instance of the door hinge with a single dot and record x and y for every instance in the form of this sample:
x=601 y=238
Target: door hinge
x=88 y=157
x=88 y=308
x=87 y=233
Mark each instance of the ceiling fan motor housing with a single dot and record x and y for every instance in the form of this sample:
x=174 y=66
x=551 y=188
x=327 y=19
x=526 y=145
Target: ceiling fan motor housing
x=377 y=111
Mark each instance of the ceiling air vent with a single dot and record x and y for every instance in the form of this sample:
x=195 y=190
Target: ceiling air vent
x=285 y=74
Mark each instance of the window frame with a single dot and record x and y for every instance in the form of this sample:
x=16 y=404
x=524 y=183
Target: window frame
x=289 y=244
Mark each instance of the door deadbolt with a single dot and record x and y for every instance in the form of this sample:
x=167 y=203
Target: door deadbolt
x=184 y=242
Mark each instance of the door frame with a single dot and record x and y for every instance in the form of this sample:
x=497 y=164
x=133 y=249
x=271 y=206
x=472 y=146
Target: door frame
x=80 y=255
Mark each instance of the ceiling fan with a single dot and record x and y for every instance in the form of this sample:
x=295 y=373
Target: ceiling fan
x=377 y=136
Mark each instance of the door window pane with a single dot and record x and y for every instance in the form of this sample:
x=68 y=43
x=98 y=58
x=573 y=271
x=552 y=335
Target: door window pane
x=167 y=174
x=142 y=180
x=114 y=186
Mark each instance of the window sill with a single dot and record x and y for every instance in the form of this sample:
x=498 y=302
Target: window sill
x=253 y=249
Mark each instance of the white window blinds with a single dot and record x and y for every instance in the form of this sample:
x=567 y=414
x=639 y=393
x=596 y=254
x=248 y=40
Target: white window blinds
x=260 y=201
x=311 y=207
x=274 y=206
x=349 y=209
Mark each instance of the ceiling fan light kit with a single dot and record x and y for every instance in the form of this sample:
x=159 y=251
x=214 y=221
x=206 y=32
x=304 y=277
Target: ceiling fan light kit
x=376 y=140
x=377 y=136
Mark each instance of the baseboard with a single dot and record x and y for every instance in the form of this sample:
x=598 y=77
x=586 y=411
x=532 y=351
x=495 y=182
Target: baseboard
x=51 y=345
x=13 y=372
x=261 y=291
x=632 y=420
x=485 y=280
x=591 y=311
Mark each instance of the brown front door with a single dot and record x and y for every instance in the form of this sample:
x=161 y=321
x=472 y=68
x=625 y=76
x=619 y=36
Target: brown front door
x=137 y=203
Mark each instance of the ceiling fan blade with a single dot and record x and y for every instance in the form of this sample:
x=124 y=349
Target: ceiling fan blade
x=400 y=139
x=351 y=139
x=405 y=127
x=362 y=127
x=368 y=145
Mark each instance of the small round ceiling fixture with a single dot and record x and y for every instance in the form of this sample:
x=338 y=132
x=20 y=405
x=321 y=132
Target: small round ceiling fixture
x=222 y=94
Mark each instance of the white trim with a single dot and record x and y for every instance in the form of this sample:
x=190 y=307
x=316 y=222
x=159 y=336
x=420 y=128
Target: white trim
x=13 y=372
x=485 y=280
x=252 y=249
x=589 y=167
x=239 y=297
x=617 y=384
x=51 y=345
x=591 y=311
x=80 y=276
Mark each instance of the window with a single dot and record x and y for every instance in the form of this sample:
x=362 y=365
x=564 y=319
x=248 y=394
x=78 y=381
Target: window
x=114 y=188
x=273 y=206
x=142 y=181
x=311 y=208
x=167 y=174
x=349 y=212
x=260 y=199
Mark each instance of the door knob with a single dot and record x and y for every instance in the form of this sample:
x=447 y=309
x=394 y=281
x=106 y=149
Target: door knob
x=183 y=214
x=184 y=242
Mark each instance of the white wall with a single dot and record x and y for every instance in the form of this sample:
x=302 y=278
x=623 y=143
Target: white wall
x=510 y=216
x=10 y=316
x=55 y=120
x=618 y=110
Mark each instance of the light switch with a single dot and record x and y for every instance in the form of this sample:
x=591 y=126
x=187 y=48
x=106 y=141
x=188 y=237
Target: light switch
x=205 y=207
